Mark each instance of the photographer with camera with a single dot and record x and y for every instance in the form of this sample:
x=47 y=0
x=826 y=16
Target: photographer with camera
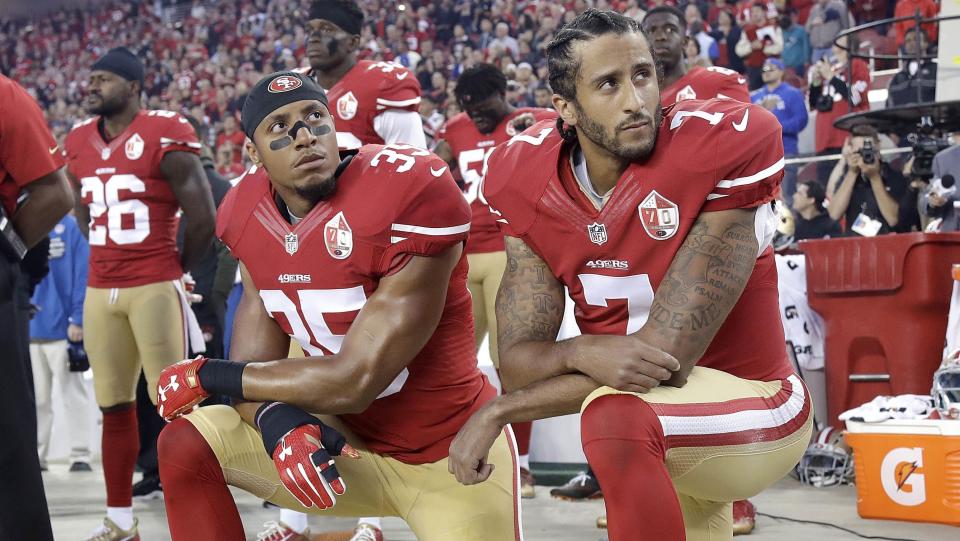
x=838 y=85
x=863 y=188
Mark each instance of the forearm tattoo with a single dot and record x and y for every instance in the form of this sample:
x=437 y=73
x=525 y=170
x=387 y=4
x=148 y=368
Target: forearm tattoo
x=705 y=280
x=530 y=301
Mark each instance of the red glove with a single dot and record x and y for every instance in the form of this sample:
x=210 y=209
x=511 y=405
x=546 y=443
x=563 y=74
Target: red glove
x=179 y=389
x=306 y=468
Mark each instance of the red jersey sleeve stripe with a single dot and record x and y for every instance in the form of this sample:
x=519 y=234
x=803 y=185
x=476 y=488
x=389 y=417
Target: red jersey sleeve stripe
x=432 y=231
x=754 y=178
x=401 y=103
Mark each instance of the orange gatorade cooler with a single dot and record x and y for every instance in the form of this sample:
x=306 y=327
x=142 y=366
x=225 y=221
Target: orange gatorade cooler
x=907 y=469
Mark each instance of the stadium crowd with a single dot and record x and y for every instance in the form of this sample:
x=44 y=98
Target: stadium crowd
x=202 y=57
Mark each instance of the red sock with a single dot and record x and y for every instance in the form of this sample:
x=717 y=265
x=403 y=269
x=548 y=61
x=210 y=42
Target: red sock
x=120 y=446
x=625 y=446
x=521 y=431
x=199 y=504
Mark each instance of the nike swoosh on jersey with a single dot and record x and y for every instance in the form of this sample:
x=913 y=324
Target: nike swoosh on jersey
x=403 y=75
x=438 y=172
x=54 y=149
x=742 y=125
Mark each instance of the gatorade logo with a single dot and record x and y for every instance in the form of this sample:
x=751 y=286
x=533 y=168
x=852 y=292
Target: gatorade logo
x=284 y=83
x=899 y=477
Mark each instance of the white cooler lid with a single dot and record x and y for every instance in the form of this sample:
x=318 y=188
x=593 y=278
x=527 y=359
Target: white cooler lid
x=930 y=427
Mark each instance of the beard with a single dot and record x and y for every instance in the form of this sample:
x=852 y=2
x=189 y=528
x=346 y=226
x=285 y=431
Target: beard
x=108 y=106
x=598 y=134
x=318 y=191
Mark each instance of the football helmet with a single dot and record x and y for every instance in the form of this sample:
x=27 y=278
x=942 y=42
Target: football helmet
x=828 y=461
x=786 y=226
x=946 y=388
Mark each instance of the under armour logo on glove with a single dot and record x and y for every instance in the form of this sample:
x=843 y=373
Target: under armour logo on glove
x=179 y=389
x=303 y=460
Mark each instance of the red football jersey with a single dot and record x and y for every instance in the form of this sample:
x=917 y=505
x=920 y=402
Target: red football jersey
x=471 y=149
x=710 y=156
x=27 y=149
x=392 y=202
x=133 y=210
x=365 y=92
x=707 y=83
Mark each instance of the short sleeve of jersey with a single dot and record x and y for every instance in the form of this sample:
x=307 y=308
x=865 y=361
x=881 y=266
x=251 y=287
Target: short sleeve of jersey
x=399 y=90
x=229 y=227
x=513 y=204
x=749 y=161
x=176 y=134
x=734 y=87
x=28 y=150
x=431 y=220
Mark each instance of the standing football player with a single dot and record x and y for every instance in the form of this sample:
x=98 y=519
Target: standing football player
x=465 y=142
x=133 y=170
x=667 y=27
x=659 y=223
x=372 y=103
x=360 y=262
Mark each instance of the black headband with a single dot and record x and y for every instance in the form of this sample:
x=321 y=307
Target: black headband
x=121 y=62
x=333 y=11
x=273 y=92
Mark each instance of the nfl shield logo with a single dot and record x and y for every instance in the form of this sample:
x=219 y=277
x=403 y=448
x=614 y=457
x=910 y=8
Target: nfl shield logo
x=598 y=233
x=291 y=243
x=338 y=237
x=660 y=216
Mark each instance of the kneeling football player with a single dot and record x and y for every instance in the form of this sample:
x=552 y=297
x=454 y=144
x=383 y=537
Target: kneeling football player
x=360 y=260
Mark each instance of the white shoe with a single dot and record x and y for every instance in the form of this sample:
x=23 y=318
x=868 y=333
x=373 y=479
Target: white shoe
x=109 y=531
x=366 y=532
x=278 y=531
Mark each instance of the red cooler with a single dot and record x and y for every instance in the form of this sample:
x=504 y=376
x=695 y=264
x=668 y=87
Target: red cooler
x=884 y=301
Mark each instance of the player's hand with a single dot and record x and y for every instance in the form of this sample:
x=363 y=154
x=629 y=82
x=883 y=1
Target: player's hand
x=523 y=121
x=179 y=388
x=189 y=284
x=470 y=448
x=74 y=333
x=625 y=363
x=304 y=460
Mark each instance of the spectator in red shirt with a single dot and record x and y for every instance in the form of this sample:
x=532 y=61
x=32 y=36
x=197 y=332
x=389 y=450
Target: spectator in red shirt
x=760 y=40
x=906 y=8
x=232 y=135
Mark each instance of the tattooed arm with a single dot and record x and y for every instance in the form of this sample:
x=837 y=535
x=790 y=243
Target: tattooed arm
x=529 y=311
x=701 y=287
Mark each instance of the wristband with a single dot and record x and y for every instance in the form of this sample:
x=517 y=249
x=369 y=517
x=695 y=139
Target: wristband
x=276 y=419
x=218 y=376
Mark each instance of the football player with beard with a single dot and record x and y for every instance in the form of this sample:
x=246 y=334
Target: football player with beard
x=133 y=170
x=659 y=222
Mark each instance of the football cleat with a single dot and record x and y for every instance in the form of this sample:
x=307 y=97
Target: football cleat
x=744 y=517
x=367 y=532
x=80 y=465
x=527 y=483
x=109 y=531
x=278 y=531
x=602 y=522
x=582 y=486
x=148 y=488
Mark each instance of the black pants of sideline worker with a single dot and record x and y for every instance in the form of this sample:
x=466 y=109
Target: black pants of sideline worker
x=23 y=505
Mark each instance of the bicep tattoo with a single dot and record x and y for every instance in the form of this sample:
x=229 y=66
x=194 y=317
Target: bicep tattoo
x=530 y=301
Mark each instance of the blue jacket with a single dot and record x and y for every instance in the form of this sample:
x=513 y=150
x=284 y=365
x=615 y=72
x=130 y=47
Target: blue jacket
x=791 y=111
x=60 y=295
